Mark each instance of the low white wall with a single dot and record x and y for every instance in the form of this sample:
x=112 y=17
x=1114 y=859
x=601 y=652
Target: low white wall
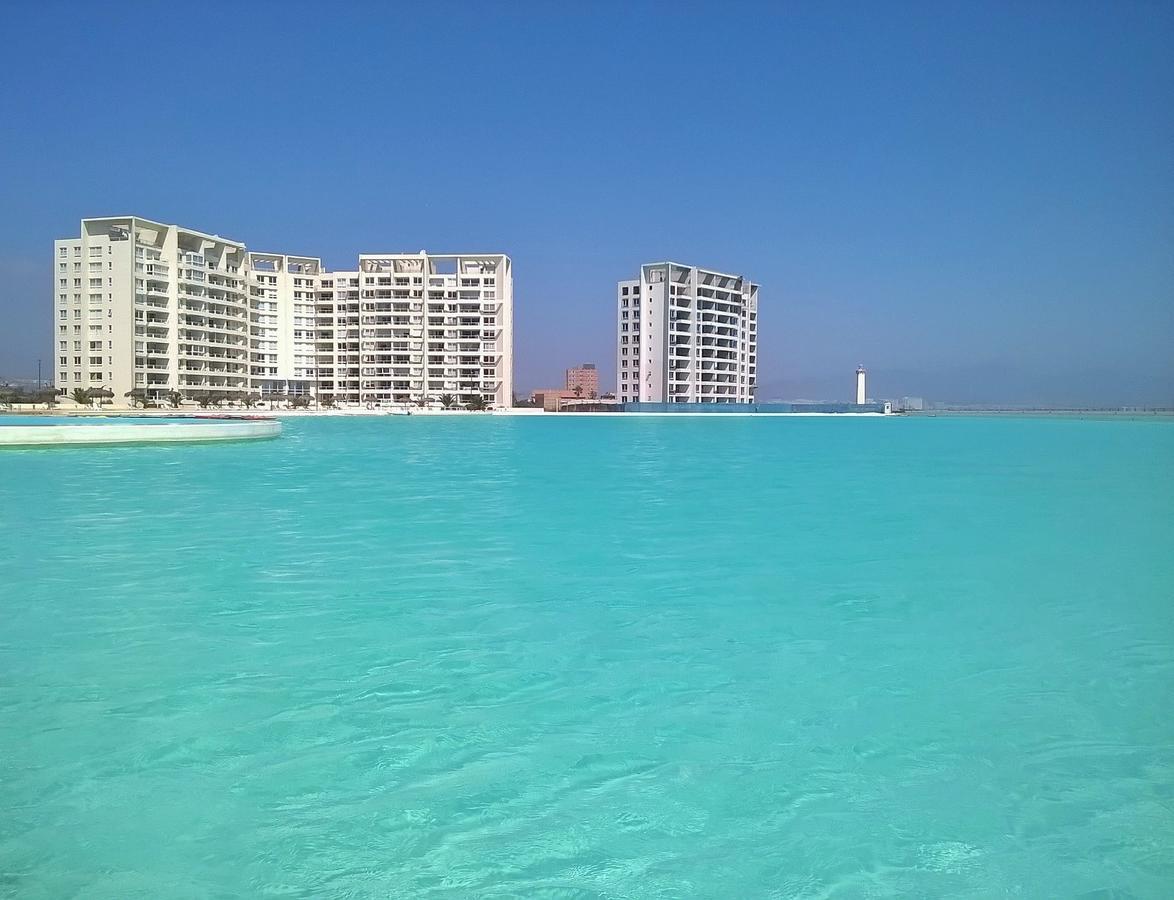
x=47 y=435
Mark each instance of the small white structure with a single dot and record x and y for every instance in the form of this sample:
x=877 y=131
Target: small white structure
x=861 y=388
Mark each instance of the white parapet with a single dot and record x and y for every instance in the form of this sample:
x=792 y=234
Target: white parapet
x=137 y=433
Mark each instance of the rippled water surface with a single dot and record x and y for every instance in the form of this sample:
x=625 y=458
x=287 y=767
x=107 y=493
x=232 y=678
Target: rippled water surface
x=492 y=657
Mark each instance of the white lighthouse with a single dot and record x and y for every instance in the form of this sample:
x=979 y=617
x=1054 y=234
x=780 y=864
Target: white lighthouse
x=861 y=389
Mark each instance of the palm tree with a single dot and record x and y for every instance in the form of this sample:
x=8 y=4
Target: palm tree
x=578 y=391
x=80 y=395
x=423 y=401
x=204 y=400
x=137 y=396
x=251 y=400
x=476 y=404
x=174 y=398
x=448 y=401
x=594 y=396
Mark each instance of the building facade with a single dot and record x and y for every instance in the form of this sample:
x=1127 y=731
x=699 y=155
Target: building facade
x=143 y=305
x=686 y=335
x=283 y=318
x=585 y=379
x=432 y=325
x=155 y=308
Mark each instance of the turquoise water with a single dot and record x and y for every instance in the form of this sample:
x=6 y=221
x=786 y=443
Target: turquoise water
x=489 y=657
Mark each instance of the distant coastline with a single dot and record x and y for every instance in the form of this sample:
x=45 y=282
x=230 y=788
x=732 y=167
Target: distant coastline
x=1132 y=412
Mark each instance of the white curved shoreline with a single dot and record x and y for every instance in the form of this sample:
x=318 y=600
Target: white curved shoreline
x=57 y=435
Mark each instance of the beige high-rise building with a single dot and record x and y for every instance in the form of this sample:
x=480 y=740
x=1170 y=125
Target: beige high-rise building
x=161 y=308
x=140 y=304
x=585 y=378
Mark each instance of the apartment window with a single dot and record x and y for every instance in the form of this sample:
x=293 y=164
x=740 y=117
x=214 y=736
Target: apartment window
x=77 y=345
x=65 y=360
x=64 y=313
x=95 y=252
x=77 y=360
x=63 y=252
x=77 y=376
x=62 y=267
x=63 y=345
x=64 y=376
x=625 y=292
x=77 y=251
x=64 y=282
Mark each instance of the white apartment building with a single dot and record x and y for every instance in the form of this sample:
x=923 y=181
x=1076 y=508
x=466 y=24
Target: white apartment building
x=283 y=323
x=140 y=304
x=161 y=308
x=431 y=325
x=337 y=340
x=686 y=335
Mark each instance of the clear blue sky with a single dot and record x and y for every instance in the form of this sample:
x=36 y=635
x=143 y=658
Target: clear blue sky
x=974 y=200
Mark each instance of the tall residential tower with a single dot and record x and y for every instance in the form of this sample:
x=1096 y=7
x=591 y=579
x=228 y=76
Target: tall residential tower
x=686 y=335
x=144 y=305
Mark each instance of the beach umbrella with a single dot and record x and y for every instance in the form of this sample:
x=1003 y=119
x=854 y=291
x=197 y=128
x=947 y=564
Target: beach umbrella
x=138 y=394
x=46 y=396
